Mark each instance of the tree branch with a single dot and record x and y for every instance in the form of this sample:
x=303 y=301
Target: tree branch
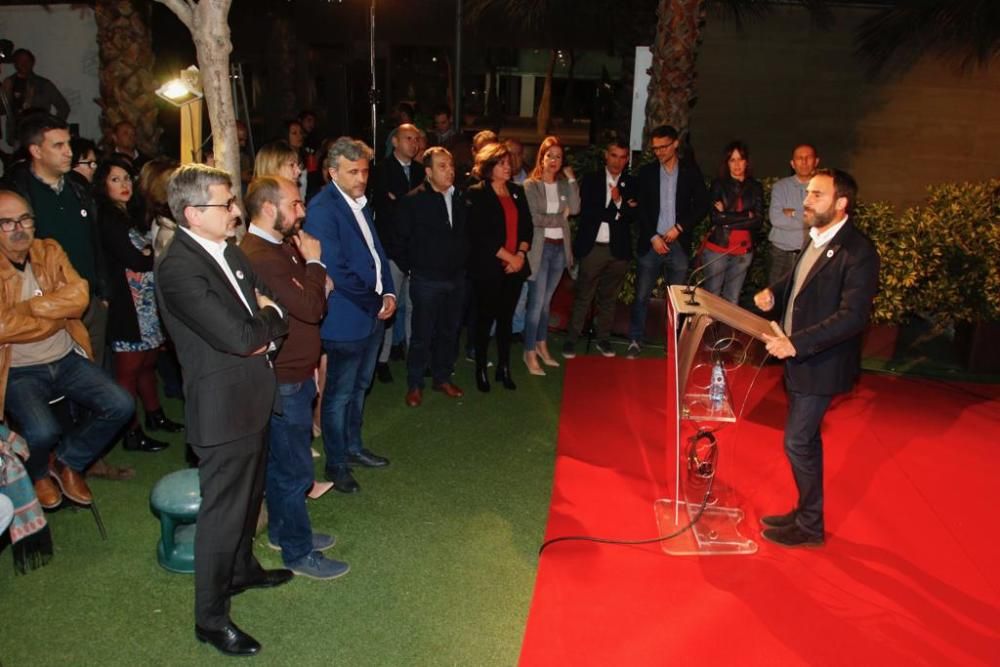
x=183 y=9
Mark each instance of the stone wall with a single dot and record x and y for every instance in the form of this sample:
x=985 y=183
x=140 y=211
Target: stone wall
x=782 y=80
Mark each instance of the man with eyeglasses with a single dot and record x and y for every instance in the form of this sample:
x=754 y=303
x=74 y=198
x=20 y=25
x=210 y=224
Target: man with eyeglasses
x=224 y=324
x=44 y=355
x=673 y=199
x=64 y=210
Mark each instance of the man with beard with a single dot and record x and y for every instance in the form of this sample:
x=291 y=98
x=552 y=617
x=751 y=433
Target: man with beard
x=288 y=261
x=824 y=303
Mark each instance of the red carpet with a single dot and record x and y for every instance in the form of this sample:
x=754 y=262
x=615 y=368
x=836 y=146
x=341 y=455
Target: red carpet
x=909 y=574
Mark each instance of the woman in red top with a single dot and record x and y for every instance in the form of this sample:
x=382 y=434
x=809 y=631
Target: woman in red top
x=500 y=230
x=737 y=212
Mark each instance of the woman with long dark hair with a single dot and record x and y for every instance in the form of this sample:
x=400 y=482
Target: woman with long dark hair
x=737 y=212
x=499 y=227
x=133 y=321
x=553 y=196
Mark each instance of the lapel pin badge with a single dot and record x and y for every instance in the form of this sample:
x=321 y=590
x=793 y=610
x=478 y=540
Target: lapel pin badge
x=83 y=213
x=239 y=274
x=829 y=253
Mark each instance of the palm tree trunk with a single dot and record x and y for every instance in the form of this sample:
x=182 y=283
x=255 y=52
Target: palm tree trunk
x=672 y=75
x=126 y=58
x=544 y=115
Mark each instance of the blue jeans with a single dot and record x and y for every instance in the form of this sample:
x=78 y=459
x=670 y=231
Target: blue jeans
x=725 y=277
x=29 y=390
x=437 y=307
x=517 y=324
x=673 y=266
x=804 y=449
x=349 y=369
x=290 y=471
x=544 y=281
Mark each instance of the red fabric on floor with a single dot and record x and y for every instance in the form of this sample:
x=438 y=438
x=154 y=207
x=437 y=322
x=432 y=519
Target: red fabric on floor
x=908 y=574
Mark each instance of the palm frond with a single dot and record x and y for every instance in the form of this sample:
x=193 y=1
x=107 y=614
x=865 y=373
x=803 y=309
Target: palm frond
x=967 y=28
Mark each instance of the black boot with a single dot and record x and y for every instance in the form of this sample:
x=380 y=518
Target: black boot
x=137 y=441
x=157 y=421
x=382 y=373
x=504 y=378
x=482 y=379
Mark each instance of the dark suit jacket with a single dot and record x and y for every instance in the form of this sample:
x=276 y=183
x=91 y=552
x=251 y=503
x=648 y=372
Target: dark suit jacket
x=692 y=202
x=391 y=186
x=430 y=246
x=229 y=391
x=830 y=313
x=594 y=211
x=353 y=304
x=488 y=229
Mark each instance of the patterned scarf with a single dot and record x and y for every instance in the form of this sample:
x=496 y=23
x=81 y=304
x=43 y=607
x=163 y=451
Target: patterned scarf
x=28 y=530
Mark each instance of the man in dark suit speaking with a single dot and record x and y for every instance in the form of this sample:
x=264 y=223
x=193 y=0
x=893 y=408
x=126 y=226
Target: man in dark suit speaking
x=824 y=303
x=223 y=325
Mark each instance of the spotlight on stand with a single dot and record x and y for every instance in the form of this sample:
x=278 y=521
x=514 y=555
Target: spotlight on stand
x=185 y=92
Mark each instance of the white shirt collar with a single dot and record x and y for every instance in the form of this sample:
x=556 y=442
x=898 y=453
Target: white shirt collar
x=258 y=231
x=405 y=163
x=612 y=180
x=213 y=247
x=821 y=239
x=355 y=204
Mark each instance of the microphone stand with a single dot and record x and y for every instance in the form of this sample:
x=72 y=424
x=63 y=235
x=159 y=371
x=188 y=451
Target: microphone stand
x=692 y=285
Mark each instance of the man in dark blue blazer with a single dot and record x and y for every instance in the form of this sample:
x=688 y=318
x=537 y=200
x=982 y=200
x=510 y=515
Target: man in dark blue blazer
x=824 y=305
x=603 y=246
x=673 y=199
x=361 y=300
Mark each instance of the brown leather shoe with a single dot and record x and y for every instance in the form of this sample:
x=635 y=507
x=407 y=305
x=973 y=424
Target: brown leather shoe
x=449 y=390
x=48 y=493
x=72 y=483
x=414 y=398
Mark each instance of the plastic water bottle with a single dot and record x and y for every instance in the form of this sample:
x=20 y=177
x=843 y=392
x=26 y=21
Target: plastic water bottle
x=717 y=390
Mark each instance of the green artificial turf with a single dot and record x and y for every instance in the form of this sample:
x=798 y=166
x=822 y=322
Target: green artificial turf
x=442 y=546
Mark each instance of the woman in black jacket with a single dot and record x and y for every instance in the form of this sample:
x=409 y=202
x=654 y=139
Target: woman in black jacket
x=133 y=322
x=500 y=230
x=737 y=212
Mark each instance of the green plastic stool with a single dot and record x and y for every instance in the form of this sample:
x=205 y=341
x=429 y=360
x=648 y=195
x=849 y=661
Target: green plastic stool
x=175 y=499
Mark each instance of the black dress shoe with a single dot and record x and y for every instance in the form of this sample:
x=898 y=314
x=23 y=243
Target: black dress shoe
x=382 y=373
x=157 y=421
x=482 y=379
x=137 y=441
x=343 y=481
x=368 y=459
x=792 y=536
x=779 y=520
x=268 y=579
x=504 y=378
x=229 y=640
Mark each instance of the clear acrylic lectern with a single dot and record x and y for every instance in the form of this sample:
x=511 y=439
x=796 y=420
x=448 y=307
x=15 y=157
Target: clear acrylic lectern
x=715 y=357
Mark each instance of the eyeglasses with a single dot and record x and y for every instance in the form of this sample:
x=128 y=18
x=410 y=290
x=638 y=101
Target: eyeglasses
x=662 y=147
x=26 y=221
x=229 y=205
x=87 y=163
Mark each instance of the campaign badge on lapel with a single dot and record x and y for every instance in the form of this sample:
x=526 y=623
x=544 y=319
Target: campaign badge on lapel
x=829 y=253
x=239 y=274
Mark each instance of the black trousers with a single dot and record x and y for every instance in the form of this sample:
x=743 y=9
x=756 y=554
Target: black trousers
x=231 y=476
x=804 y=449
x=437 y=307
x=495 y=302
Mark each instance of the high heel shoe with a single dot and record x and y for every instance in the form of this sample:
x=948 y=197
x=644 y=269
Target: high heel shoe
x=504 y=378
x=531 y=361
x=482 y=379
x=137 y=441
x=157 y=421
x=542 y=350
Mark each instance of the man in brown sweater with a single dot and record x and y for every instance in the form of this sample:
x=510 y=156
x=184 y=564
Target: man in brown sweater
x=288 y=261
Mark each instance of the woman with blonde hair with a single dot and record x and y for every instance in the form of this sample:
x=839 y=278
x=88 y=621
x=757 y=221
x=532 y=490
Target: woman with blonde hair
x=553 y=196
x=278 y=158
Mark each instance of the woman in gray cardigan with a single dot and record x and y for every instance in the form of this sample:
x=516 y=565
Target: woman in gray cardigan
x=553 y=196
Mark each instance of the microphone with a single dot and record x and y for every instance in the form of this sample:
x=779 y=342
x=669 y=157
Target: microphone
x=692 y=285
